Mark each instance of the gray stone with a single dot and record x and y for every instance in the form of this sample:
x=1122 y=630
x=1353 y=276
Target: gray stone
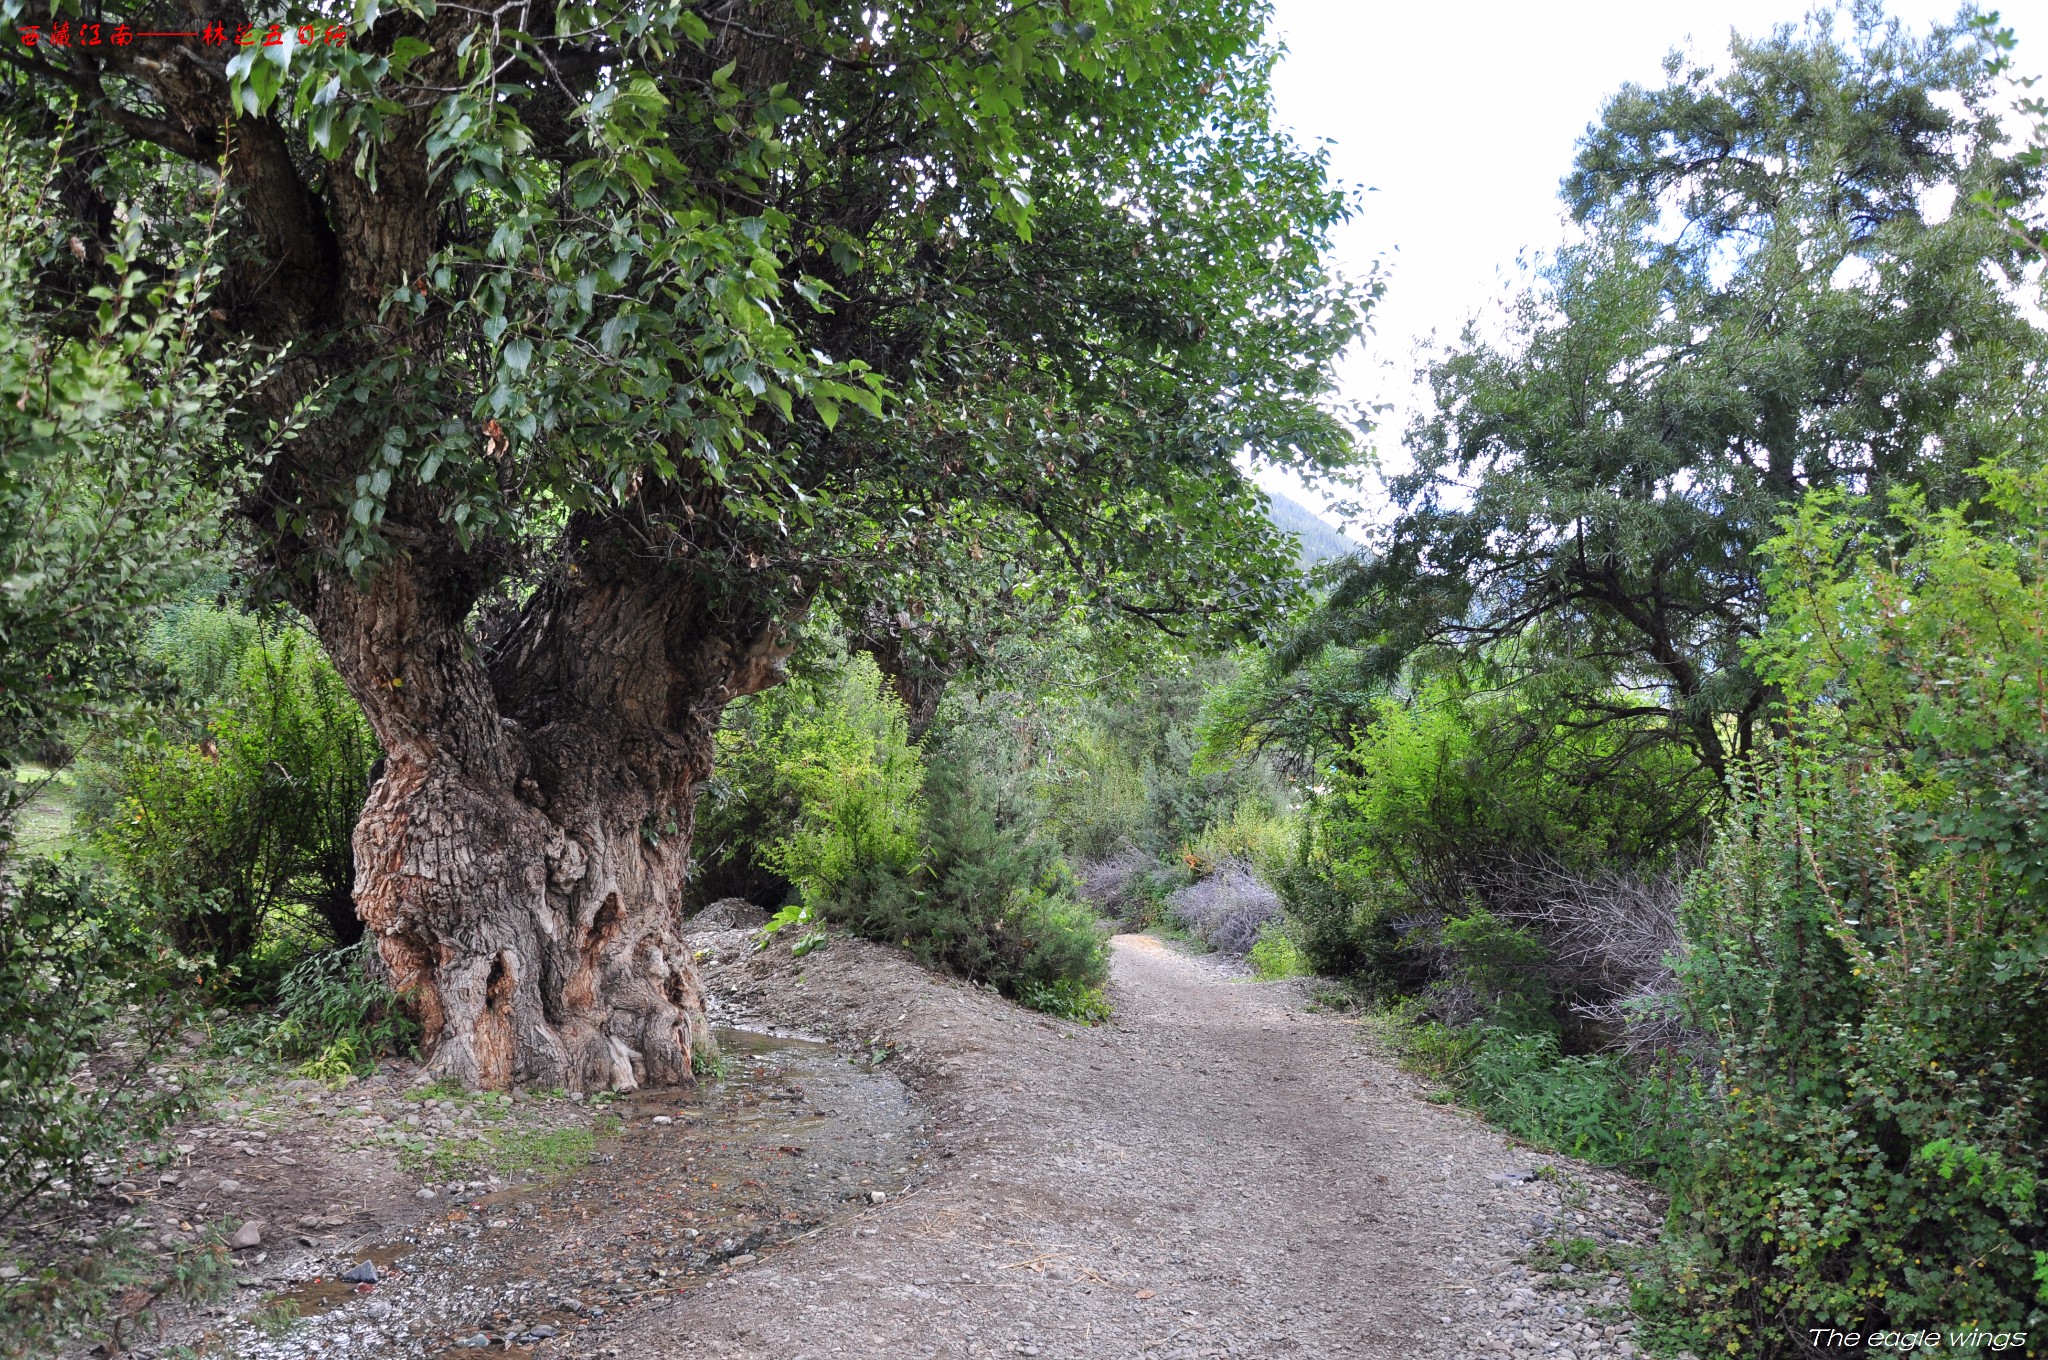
x=474 y=1342
x=362 y=1272
x=250 y=1234
x=729 y=913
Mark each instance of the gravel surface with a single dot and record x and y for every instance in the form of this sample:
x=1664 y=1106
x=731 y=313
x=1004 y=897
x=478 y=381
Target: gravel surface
x=1216 y=1172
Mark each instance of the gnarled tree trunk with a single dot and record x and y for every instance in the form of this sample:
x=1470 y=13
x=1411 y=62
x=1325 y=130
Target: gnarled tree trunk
x=521 y=861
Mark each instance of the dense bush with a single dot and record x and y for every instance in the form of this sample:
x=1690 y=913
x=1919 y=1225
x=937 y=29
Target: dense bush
x=1592 y=1106
x=990 y=901
x=247 y=821
x=814 y=779
x=1227 y=906
x=87 y=995
x=819 y=783
x=1870 y=941
x=1454 y=801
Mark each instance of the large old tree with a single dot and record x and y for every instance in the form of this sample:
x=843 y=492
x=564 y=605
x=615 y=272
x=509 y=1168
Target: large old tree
x=611 y=336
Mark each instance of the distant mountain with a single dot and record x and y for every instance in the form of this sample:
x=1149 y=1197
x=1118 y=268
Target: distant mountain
x=1320 y=540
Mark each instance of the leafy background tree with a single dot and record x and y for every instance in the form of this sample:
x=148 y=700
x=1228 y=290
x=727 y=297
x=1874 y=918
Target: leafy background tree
x=1766 y=304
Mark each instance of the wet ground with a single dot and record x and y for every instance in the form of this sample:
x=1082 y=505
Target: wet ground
x=691 y=1187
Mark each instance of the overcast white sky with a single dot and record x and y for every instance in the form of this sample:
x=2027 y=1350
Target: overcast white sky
x=1465 y=117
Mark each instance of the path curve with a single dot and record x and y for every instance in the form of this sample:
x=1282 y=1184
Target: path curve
x=1216 y=1172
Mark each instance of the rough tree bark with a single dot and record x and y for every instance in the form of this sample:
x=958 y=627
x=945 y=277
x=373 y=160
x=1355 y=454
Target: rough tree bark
x=918 y=684
x=521 y=861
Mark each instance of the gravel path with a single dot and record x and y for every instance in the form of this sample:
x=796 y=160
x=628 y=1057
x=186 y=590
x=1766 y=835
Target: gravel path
x=1216 y=1172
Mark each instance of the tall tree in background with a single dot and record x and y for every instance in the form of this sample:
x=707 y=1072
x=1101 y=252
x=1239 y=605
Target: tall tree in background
x=1769 y=301
x=613 y=335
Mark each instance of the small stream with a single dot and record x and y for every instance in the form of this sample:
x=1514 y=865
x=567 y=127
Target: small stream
x=696 y=1184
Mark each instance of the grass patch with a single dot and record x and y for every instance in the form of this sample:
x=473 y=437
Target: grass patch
x=43 y=825
x=513 y=1151
x=275 y=1317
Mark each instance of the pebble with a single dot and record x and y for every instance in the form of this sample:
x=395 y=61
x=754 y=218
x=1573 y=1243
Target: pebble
x=250 y=1234
x=362 y=1272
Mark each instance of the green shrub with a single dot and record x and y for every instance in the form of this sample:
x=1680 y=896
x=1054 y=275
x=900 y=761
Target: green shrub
x=336 y=1013
x=1869 y=946
x=811 y=777
x=249 y=820
x=1592 y=1107
x=79 y=971
x=108 y=441
x=1068 y=998
x=1095 y=802
x=989 y=901
x=1443 y=802
x=820 y=782
x=1497 y=961
x=1257 y=833
x=1274 y=955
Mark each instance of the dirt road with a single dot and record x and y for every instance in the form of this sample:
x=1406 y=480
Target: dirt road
x=1216 y=1172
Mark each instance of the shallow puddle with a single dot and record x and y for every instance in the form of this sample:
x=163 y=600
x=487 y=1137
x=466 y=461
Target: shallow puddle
x=790 y=1138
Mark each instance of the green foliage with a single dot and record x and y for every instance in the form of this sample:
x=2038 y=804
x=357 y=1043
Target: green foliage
x=1591 y=1107
x=519 y=1151
x=1056 y=265
x=87 y=996
x=335 y=1013
x=990 y=901
x=102 y=513
x=1068 y=998
x=1497 y=960
x=1444 y=794
x=1255 y=832
x=90 y=1288
x=1132 y=771
x=818 y=779
x=1096 y=803
x=814 y=779
x=1870 y=944
x=252 y=817
x=857 y=783
x=1276 y=956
